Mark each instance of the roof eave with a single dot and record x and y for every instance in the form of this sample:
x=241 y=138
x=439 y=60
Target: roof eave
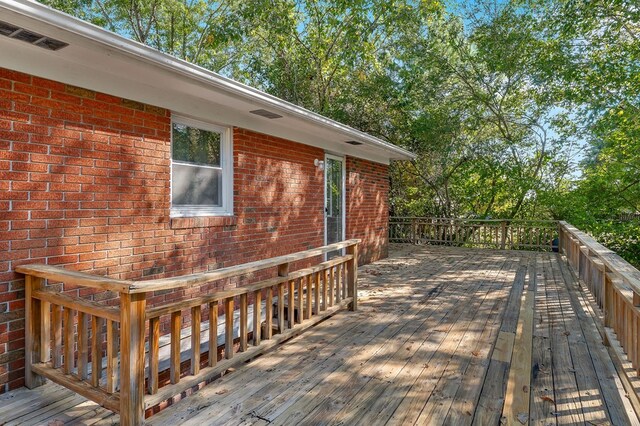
x=156 y=58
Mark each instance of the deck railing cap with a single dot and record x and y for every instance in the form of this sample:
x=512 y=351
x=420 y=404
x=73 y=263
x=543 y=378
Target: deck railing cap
x=57 y=273
x=612 y=260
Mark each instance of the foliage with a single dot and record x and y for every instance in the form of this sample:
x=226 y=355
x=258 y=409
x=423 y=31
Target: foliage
x=204 y=32
x=483 y=130
x=621 y=237
x=516 y=109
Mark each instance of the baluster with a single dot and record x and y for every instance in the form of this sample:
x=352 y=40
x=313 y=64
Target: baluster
x=213 y=333
x=332 y=286
x=291 y=303
x=283 y=271
x=316 y=293
x=268 y=329
x=617 y=310
x=196 y=319
x=96 y=350
x=325 y=283
x=343 y=279
x=300 y=301
x=352 y=277
x=154 y=354
x=338 y=283
x=243 y=322
x=280 y=307
x=634 y=339
x=629 y=330
x=175 y=347
x=608 y=299
x=83 y=346
x=309 y=279
x=112 y=356
x=57 y=335
x=228 y=327
x=511 y=236
x=68 y=341
x=257 y=316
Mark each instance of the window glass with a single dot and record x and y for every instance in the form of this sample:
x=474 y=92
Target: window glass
x=193 y=185
x=196 y=146
x=200 y=169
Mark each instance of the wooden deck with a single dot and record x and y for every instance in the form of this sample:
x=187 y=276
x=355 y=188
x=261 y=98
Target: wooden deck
x=442 y=336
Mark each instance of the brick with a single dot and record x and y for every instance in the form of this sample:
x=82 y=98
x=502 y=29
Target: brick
x=80 y=92
x=31 y=89
x=47 y=84
x=15 y=76
x=94 y=195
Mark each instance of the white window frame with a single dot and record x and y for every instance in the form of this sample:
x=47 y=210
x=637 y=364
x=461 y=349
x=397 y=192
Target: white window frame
x=226 y=164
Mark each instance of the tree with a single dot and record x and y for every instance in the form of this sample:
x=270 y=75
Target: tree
x=203 y=32
x=484 y=129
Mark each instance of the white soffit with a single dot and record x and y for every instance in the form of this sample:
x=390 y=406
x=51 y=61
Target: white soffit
x=99 y=60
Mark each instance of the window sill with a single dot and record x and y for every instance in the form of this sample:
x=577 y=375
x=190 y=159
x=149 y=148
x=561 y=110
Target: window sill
x=203 y=222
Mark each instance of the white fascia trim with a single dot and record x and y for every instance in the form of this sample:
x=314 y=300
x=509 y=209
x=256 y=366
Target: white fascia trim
x=149 y=55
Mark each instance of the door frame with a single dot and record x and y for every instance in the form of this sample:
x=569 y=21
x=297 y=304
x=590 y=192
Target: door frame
x=344 y=195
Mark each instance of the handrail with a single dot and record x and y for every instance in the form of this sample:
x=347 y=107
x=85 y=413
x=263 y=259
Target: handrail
x=626 y=271
x=201 y=278
x=239 y=291
x=470 y=219
x=515 y=234
x=615 y=286
x=55 y=273
x=101 y=350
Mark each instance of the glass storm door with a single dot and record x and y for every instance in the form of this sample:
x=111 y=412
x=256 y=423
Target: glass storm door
x=334 y=201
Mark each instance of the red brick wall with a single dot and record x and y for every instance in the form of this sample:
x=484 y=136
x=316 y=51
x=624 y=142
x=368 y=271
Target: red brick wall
x=84 y=183
x=368 y=207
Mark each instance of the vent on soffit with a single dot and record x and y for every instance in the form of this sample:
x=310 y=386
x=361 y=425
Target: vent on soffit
x=353 y=142
x=264 y=113
x=12 y=31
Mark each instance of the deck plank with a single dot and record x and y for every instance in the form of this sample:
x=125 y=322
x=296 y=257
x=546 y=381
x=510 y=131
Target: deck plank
x=318 y=403
x=378 y=402
x=589 y=391
x=568 y=404
x=491 y=400
x=516 y=403
x=286 y=387
x=432 y=343
x=542 y=403
x=618 y=408
x=468 y=395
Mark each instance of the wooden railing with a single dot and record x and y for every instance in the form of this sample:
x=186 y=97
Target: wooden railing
x=113 y=354
x=615 y=286
x=487 y=233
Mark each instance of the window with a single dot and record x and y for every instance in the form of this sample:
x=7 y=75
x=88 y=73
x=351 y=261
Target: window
x=201 y=169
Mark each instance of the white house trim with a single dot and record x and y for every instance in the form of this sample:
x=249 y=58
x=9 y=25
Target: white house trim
x=99 y=60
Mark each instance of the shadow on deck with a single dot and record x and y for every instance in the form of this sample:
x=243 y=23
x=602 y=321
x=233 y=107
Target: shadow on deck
x=442 y=336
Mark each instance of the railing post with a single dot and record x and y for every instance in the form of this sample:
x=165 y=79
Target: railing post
x=503 y=237
x=352 y=276
x=37 y=332
x=132 y=319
